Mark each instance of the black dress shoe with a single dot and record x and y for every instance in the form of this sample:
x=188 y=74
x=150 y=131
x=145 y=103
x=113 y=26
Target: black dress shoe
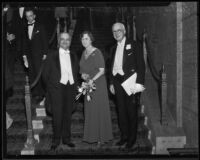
x=70 y=144
x=129 y=145
x=54 y=146
x=121 y=142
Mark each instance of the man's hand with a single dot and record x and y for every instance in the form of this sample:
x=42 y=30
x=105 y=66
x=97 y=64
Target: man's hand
x=112 y=89
x=10 y=37
x=44 y=57
x=138 y=88
x=25 y=61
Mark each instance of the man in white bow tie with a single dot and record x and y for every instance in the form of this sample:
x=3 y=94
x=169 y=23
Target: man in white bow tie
x=35 y=49
x=60 y=77
x=126 y=59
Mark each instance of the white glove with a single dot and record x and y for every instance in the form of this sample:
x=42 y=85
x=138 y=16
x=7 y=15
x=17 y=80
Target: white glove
x=25 y=61
x=44 y=57
x=137 y=88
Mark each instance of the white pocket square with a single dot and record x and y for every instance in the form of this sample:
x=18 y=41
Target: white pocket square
x=37 y=31
x=130 y=54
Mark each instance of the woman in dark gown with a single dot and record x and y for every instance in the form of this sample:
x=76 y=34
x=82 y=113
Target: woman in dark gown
x=97 y=127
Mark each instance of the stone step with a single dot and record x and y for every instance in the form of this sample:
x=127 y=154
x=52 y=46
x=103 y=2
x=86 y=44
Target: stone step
x=19 y=73
x=143 y=147
x=19 y=118
x=19 y=133
x=90 y=149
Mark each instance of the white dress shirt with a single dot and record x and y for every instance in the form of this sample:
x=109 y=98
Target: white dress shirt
x=30 y=29
x=65 y=65
x=117 y=68
x=21 y=11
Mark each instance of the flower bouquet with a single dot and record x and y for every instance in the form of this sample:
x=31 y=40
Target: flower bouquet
x=86 y=89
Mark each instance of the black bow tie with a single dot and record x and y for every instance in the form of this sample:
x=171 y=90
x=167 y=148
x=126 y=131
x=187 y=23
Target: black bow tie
x=31 y=24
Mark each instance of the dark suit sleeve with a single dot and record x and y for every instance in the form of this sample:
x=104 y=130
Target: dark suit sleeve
x=25 y=41
x=44 y=40
x=140 y=63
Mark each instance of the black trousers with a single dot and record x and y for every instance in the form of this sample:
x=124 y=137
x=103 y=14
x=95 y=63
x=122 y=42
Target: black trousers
x=127 y=111
x=62 y=100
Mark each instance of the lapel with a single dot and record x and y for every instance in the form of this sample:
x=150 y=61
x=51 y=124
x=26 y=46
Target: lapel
x=113 y=55
x=72 y=63
x=35 y=28
x=125 y=52
x=57 y=60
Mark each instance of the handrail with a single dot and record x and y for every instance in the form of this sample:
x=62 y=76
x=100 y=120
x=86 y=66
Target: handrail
x=161 y=80
x=53 y=36
x=38 y=76
x=152 y=67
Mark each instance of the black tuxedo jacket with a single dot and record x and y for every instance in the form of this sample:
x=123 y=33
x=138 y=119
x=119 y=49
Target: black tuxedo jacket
x=133 y=61
x=52 y=71
x=38 y=45
x=20 y=25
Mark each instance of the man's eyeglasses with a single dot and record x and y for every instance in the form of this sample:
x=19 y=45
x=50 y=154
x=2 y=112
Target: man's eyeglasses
x=118 y=31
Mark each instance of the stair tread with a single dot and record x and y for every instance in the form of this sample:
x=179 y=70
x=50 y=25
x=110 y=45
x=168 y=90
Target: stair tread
x=20 y=131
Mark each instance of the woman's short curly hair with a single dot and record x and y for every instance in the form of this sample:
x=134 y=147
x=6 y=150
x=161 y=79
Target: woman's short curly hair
x=89 y=34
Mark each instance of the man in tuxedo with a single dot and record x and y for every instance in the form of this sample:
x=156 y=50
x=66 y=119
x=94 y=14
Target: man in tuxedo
x=60 y=77
x=35 y=48
x=126 y=59
x=20 y=22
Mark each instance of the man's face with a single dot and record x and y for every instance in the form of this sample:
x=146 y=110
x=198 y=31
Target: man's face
x=118 y=32
x=30 y=16
x=65 y=41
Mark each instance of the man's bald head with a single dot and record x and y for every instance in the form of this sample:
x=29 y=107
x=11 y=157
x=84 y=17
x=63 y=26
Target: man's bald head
x=119 y=25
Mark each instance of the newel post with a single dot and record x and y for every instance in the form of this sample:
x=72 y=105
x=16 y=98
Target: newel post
x=30 y=143
x=163 y=96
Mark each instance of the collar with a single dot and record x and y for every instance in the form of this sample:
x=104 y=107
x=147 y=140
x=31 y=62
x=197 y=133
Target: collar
x=32 y=22
x=21 y=8
x=122 y=42
x=63 y=51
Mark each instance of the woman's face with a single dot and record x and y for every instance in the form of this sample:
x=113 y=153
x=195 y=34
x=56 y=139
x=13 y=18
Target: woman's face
x=86 y=41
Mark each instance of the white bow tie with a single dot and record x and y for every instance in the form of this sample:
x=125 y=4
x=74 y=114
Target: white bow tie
x=67 y=52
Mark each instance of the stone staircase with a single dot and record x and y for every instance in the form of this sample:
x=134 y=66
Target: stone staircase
x=16 y=135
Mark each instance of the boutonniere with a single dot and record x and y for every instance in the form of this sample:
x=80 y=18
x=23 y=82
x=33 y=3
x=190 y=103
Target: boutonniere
x=128 y=46
x=37 y=31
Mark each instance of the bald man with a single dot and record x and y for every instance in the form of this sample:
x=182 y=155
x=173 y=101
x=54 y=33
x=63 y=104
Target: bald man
x=126 y=59
x=60 y=75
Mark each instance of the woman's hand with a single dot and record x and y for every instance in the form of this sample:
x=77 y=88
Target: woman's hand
x=85 y=76
x=90 y=82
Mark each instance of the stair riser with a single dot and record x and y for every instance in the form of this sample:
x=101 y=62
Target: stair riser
x=75 y=136
x=115 y=151
x=75 y=122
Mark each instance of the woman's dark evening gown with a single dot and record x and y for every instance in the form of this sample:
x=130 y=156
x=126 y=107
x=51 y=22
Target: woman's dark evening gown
x=97 y=127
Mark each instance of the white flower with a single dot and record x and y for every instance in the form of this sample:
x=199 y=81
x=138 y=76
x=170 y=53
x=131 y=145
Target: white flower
x=128 y=46
x=84 y=92
x=88 y=97
x=80 y=89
